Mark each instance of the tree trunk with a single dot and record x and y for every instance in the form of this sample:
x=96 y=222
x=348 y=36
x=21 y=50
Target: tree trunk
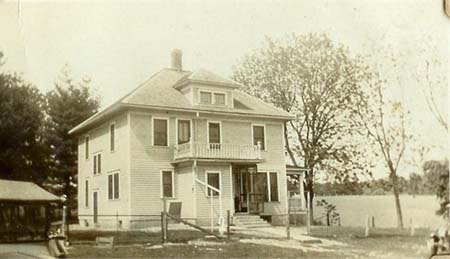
x=398 y=207
x=309 y=188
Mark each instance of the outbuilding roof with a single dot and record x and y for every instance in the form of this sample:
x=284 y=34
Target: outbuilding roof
x=24 y=192
x=160 y=92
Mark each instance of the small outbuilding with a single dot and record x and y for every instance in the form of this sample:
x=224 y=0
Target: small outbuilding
x=25 y=211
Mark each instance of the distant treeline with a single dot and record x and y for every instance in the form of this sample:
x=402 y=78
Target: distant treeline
x=415 y=185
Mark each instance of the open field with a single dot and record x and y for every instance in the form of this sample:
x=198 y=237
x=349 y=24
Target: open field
x=354 y=210
x=338 y=242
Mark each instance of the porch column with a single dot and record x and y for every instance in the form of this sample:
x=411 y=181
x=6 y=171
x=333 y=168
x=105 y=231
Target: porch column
x=302 y=190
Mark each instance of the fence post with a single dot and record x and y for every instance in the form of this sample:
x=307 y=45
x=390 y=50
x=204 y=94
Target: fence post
x=117 y=222
x=166 y=221
x=373 y=221
x=411 y=224
x=367 y=226
x=163 y=228
x=228 y=224
x=288 y=231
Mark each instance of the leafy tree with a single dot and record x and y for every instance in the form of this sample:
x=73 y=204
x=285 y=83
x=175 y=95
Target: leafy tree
x=23 y=155
x=436 y=179
x=319 y=82
x=69 y=104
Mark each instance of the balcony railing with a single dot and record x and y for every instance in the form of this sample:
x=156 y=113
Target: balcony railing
x=219 y=151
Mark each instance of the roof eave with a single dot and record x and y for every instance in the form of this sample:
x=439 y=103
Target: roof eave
x=283 y=117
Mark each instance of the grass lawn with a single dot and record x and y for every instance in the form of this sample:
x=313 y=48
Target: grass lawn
x=383 y=243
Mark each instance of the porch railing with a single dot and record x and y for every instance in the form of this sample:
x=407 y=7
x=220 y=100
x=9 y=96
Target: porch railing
x=215 y=150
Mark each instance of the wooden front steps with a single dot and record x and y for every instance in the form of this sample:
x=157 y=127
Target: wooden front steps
x=250 y=221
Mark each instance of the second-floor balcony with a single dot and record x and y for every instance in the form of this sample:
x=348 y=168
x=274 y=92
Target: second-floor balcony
x=196 y=150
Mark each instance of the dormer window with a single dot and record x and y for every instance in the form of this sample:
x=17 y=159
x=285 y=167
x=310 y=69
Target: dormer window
x=219 y=98
x=210 y=97
x=205 y=97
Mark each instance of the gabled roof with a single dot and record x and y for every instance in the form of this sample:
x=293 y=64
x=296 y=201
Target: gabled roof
x=24 y=191
x=159 y=92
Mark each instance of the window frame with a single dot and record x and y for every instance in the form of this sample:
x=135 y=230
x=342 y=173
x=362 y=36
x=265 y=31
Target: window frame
x=270 y=185
x=113 y=185
x=200 y=96
x=167 y=133
x=220 y=183
x=112 y=137
x=224 y=98
x=87 y=139
x=161 y=172
x=213 y=98
x=190 y=128
x=264 y=132
x=97 y=163
x=220 y=132
x=86 y=193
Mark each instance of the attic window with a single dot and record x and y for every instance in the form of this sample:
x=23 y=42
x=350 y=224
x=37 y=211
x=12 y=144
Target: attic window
x=219 y=98
x=205 y=97
x=210 y=97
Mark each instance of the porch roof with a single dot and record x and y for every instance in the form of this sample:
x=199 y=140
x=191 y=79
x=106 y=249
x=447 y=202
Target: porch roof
x=295 y=170
x=18 y=191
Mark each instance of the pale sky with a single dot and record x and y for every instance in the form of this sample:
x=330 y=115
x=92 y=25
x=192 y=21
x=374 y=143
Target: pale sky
x=121 y=43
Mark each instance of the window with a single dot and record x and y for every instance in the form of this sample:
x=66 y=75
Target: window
x=261 y=185
x=97 y=163
x=167 y=183
x=274 y=186
x=214 y=135
x=219 y=98
x=160 y=132
x=184 y=131
x=86 y=146
x=113 y=186
x=259 y=136
x=112 y=133
x=205 y=97
x=213 y=179
x=86 y=189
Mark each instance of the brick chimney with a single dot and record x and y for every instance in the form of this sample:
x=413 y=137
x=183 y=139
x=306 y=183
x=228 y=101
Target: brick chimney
x=177 y=59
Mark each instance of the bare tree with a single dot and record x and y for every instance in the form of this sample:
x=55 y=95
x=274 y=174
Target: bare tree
x=435 y=88
x=384 y=121
x=318 y=82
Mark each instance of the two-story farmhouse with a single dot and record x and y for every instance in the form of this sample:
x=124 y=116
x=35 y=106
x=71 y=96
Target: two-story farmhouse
x=174 y=135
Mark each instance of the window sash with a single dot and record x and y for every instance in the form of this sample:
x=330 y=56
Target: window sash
x=99 y=163
x=205 y=97
x=258 y=135
x=86 y=150
x=184 y=131
x=86 y=189
x=112 y=135
x=214 y=132
x=261 y=185
x=167 y=184
x=95 y=164
x=219 y=98
x=116 y=186
x=213 y=179
x=110 y=186
x=160 y=128
x=274 y=187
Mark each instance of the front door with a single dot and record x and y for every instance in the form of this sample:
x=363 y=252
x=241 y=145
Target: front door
x=95 y=198
x=248 y=195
